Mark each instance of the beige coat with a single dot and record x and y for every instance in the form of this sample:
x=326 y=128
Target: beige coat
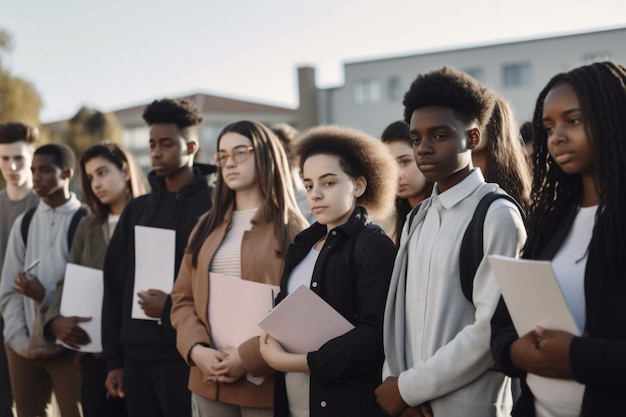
x=190 y=299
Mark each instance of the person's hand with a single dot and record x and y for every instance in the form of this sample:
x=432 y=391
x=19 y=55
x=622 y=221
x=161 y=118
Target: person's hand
x=115 y=383
x=543 y=352
x=279 y=359
x=231 y=368
x=412 y=412
x=69 y=332
x=389 y=398
x=205 y=358
x=426 y=410
x=29 y=285
x=271 y=351
x=152 y=302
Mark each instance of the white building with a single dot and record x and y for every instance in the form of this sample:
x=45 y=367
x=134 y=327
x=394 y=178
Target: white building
x=371 y=97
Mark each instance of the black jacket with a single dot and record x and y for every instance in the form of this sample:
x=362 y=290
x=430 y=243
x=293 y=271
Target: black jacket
x=352 y=274
x=598 y=358
x=123 y=336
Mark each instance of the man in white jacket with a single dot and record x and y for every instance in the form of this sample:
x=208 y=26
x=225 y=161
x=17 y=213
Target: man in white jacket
x=436 y=341
x=37 y=367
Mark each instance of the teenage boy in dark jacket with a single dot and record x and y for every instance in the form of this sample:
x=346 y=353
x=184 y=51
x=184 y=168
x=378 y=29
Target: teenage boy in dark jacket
x=144 y=365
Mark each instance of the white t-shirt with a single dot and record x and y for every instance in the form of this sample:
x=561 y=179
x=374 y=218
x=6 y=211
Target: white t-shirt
x=227 y=258
x=563 y=397
x=303 y=272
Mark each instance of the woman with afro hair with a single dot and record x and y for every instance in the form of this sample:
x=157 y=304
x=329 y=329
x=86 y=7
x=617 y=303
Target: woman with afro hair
x=347 y=260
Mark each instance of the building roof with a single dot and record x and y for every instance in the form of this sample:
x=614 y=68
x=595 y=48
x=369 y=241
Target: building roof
x=208 y=103
x=482 y=46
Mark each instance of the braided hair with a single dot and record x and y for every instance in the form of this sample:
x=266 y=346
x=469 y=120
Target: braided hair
x=601 y=91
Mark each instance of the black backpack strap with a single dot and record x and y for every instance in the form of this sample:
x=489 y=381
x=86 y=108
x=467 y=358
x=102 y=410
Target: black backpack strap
x=472 y=245
x=28 y=216
x=76 y=218
x=414 y=211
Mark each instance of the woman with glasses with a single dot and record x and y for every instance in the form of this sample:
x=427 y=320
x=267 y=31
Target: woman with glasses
x=244 y=236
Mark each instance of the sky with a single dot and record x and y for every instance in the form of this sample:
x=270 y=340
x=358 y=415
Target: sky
x=111 y=54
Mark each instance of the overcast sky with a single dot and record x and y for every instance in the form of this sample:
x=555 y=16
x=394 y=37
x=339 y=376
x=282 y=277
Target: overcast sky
x=110 y=54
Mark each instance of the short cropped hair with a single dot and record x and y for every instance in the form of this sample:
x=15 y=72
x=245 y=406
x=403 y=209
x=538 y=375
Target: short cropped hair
x=288 y=136
x=360 y=155
x=11 y=132
x=448 y=87
x=62 y=155
x=179 y=111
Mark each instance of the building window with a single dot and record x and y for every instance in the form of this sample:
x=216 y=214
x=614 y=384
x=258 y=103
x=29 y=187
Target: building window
x=598 y=56
x=476 y=73
x=366 y=91
x=394 y=89
x=136 y=137
x=516 y=75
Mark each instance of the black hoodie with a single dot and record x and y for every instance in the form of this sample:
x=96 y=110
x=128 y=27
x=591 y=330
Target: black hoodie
x=122 y=336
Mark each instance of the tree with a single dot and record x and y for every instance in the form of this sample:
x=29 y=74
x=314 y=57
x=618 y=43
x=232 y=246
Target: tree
x=19 y=100
x=90 y=126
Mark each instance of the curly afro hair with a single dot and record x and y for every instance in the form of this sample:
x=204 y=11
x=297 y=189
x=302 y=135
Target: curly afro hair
x=180 y=111
x=449 y=87
x=360 y=155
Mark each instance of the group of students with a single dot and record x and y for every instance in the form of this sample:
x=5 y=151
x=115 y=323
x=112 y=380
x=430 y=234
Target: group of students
x=427 y=340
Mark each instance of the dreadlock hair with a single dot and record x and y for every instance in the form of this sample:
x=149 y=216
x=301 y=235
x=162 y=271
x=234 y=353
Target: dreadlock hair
x=119 y=157
x=601 y=91
x=179 y=111
x=11 y=132
x=506 y=157
x=274 y=178
x=398 y=131
x=360 y=155
x=448 y=87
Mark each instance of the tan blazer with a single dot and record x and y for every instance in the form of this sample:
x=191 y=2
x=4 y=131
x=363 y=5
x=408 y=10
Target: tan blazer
x=190 y=299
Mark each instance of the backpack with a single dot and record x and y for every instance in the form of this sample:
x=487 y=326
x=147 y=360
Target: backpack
x=472 y=244
x=71 y=231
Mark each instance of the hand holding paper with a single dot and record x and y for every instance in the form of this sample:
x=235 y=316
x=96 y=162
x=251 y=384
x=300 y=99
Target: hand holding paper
x=152 y=302
x=543 y=352
x=69 y=332
x=303 y=322
x=532 y=295
x=276 y=357
x=81 y=302
x=154 y=269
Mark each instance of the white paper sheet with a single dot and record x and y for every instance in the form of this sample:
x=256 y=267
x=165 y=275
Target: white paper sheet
x=532 y=295
x=303 y=322
x=82 y=296
x=235 y=307
x=154 y=263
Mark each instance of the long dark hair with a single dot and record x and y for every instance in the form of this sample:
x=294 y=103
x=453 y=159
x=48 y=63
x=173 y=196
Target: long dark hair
x=274 y=178
x=601 y=91
x=119 y=157
x=506 y=158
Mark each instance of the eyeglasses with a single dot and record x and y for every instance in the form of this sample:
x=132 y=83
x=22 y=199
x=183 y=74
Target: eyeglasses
x=238 y=154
